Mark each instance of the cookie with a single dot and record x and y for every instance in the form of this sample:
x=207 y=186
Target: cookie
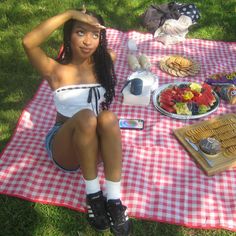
x=181 y=73
x=229 y=142
x=230 y=151
x=195 y=131
x=221 y=122
x=204 y=134
x=225 y=128
x=183 y=62
x=226 y=135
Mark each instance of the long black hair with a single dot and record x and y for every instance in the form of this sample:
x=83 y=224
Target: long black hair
x=103 y=64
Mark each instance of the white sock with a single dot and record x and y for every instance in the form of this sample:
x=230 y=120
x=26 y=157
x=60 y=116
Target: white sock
x=92 y=186
x=112 y=190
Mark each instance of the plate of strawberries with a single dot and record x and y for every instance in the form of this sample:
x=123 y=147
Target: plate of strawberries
x=185 y=100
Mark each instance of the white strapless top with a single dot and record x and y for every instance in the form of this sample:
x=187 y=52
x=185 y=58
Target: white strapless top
x=73 y=98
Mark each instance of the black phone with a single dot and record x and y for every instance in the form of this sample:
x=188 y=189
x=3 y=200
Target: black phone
x=137 y=124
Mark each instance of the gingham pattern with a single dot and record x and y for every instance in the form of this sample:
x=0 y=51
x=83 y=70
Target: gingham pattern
x=160 y=181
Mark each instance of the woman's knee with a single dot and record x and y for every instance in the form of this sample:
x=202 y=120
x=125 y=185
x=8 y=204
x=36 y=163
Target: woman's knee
x=85 y=120
x=107 y=120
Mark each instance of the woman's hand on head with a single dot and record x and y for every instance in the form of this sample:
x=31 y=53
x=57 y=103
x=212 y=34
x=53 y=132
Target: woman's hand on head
x=112 y=54
x=83 y=17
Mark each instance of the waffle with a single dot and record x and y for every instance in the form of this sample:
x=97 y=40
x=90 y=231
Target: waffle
x=179 y=66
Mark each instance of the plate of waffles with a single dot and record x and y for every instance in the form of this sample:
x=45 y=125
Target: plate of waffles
x=179 y=66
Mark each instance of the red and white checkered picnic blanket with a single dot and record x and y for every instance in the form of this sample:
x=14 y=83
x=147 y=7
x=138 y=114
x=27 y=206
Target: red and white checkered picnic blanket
x=160 y=181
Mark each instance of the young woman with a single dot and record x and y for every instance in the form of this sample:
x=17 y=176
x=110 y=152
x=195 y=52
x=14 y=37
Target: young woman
x=82 y=80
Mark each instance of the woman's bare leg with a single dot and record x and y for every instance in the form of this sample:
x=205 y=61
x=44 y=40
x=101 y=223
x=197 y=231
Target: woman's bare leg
x=110 y=145
x=76 y=144
x=80 y=133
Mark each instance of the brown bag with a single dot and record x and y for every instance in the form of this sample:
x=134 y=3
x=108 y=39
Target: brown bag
x=156 y=15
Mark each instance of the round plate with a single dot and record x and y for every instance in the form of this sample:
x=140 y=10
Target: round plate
x=184 y=71
x=155 y=98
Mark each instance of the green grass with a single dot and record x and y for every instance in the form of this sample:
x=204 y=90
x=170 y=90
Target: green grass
x=19 y=81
